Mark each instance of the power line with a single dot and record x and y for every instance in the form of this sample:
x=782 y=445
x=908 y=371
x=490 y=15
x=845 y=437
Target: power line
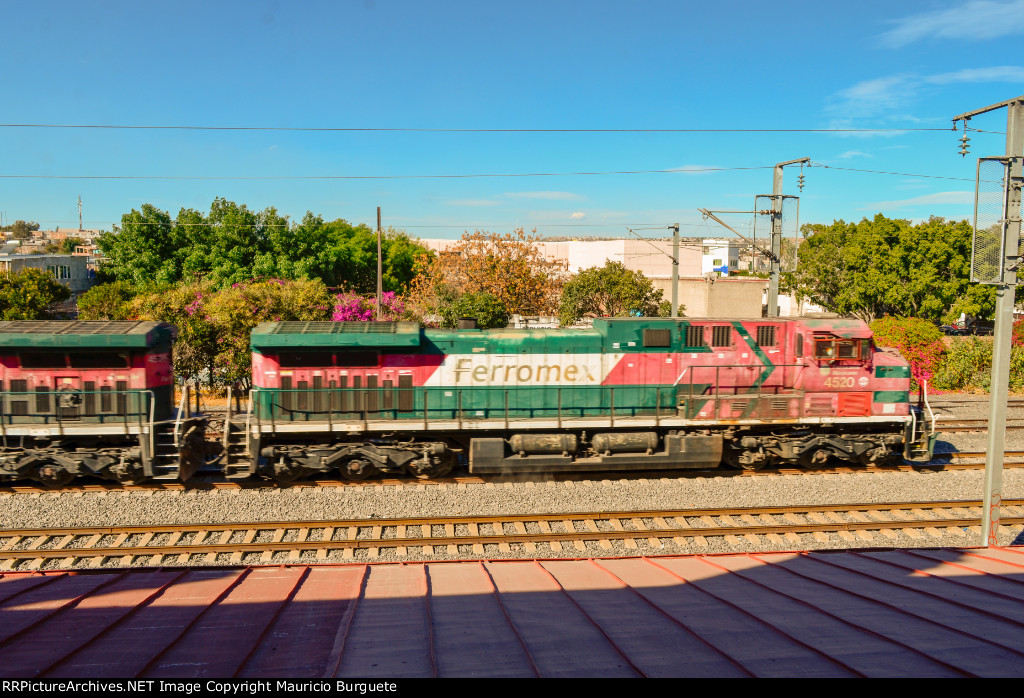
x=467 y=130
x=900 y=174
x=458 y=176
x=427 y=176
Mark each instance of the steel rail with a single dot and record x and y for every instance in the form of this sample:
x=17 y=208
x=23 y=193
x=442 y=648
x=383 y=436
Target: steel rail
x=485 y=539
x=26 y=546
x=485 y=519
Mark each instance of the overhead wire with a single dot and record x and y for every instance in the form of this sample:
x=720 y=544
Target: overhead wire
x=342 y=129
x=423 y=176
x=459 y=176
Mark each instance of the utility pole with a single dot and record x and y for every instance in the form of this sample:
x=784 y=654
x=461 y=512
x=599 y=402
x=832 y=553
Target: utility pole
x=379 y=286
x=675 y=269
x=776 y=257
x=674 y=257
x=1005 y=292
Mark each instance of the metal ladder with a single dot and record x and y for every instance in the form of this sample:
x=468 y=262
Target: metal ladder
x=235 y=455
x=166 y=456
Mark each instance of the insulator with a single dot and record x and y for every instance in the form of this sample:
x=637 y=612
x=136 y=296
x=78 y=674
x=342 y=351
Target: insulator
x=800 y=182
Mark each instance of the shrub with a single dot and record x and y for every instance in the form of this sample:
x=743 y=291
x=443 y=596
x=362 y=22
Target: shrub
x=918 y=340
x=968 y=365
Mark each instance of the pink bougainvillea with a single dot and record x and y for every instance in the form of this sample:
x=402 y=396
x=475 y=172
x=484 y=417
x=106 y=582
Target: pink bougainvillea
x=918 y=340
x=351 y=307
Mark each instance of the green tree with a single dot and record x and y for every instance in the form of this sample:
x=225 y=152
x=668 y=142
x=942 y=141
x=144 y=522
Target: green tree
x=486 y=308
x=68 y=244
x=883 y=266
x=145 y=249
x=233 y=244
x=27 y=294
x=21 y=229
x=611 y=290
x=110 y=301
x=65 y=246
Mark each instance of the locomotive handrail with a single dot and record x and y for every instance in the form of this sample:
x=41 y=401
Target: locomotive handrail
x=152 y=421
x=459 y=405
x=128 y=405
x=248 y=421
x=177 y=420
x=924 y=392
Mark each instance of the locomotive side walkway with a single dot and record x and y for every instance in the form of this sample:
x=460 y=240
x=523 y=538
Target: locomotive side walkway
x=920 y=612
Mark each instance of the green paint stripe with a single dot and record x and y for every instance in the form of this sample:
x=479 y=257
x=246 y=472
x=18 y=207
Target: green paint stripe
x=769 y=367
x=892 y=371
x=892 y=396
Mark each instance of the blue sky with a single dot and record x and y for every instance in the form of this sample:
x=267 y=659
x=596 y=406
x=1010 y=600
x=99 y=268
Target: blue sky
x=394 y=64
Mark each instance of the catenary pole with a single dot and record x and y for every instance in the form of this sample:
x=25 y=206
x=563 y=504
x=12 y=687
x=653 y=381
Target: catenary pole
x=775 y=271
x=379 y=283
x=1002 y=339
x=675 y=270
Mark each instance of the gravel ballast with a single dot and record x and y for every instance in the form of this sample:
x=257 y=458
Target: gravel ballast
x=602 y=493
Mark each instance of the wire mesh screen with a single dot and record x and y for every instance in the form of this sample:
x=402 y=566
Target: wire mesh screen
x=987 y=251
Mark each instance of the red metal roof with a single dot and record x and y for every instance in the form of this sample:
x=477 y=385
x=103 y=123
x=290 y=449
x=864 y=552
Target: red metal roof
x=919 y=612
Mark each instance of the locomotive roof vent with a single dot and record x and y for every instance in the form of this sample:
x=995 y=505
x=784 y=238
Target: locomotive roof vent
x=468 y=323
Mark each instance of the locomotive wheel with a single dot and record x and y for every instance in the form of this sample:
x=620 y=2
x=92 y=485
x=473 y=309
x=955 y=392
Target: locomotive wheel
x=813 y=459
x=358 y=469
x=53 y=475
x=126 y=471
x=877 y=456
x=746 y=460
x=432 y=466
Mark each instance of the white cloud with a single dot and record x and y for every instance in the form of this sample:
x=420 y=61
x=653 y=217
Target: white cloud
x=548 y=195
x=1000 y=73
x=870 y=97
x=578 y=215
x=849 y=154
x=945 y=197
x=974 y=20
x=891 y=97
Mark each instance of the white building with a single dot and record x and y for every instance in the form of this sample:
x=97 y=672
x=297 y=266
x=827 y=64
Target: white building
x=721 y=256
x=70 y=270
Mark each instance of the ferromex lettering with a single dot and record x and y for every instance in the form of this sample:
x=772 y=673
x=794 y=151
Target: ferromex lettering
x=544 y=369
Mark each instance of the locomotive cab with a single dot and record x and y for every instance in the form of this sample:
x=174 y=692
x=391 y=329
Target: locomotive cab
x=842 y=350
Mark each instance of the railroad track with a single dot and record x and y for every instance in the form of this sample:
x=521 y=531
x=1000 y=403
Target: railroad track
x=954 y=425
x=582 y=534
